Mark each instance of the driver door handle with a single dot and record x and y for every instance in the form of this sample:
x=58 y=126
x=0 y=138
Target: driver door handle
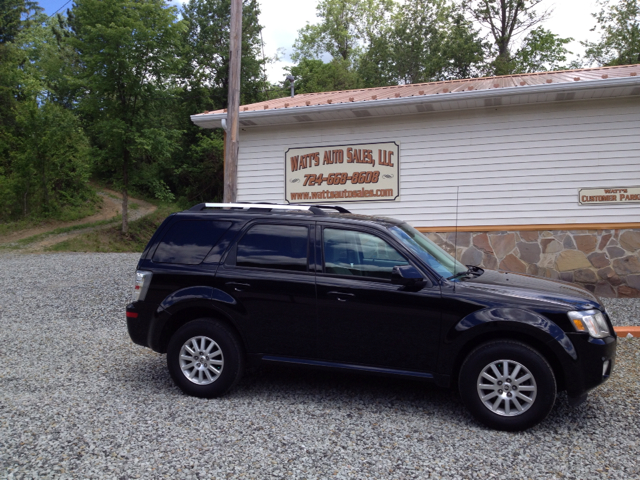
x=237 y=286
x=341 y=296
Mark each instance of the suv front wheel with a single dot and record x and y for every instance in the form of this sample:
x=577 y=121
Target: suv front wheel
x=507 y=385
x=205 y=358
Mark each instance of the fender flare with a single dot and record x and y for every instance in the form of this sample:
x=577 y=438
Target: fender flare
x=196 y=297
x=492 y=322
x=195 y=293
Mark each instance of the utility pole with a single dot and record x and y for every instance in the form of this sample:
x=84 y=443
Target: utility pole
x=232 y=143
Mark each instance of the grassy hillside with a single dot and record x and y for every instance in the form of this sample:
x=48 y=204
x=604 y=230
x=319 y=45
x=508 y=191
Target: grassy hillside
x=112 y=239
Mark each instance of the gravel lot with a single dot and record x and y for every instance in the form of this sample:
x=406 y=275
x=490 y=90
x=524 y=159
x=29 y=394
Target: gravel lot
x=79 y=400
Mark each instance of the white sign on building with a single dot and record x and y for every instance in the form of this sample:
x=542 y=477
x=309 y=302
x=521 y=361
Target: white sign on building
x=343 y=173
x=609 y=195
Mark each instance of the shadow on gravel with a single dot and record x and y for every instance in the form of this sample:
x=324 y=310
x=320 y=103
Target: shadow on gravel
x=298 y=386
x=294 y=385
x=357 y=391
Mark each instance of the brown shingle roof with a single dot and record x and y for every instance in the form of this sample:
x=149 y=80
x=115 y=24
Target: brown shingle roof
x=438 y=88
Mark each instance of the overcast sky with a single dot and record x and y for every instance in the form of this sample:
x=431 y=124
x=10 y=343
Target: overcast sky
x=282 y=19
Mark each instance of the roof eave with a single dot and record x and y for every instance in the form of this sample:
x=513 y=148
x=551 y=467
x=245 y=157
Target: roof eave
x=214 y=120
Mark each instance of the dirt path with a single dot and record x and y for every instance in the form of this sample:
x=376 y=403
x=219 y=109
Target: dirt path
x=111 y=207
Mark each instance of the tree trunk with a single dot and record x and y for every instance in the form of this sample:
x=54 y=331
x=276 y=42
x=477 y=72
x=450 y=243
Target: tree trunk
x=44 y=186
x=125 y=194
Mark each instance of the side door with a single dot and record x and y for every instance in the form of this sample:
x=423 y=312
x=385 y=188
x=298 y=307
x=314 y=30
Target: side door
x=269 y=275
x=363 y=318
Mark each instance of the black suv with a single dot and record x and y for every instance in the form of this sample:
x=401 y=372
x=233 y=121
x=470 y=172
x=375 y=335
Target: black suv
x=221 y=285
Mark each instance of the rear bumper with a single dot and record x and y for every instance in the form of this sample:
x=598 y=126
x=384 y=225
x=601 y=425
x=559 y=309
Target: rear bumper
x=138 y=323
x=594 y=365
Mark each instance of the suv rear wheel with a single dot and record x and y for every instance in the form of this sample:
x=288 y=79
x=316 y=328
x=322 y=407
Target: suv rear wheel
x=205 y=358
x=507 y=385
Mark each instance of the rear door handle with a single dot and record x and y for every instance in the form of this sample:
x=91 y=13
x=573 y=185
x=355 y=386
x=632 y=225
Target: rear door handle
x=341 y=296
x=237 y=286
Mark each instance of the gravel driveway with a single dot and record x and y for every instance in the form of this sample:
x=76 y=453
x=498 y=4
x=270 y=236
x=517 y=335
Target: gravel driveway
x=79 y=400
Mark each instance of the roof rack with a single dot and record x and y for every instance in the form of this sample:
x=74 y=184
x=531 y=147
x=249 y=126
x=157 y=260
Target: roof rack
x=315 y=209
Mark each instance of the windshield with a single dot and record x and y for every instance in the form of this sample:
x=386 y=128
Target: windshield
x=430 y=253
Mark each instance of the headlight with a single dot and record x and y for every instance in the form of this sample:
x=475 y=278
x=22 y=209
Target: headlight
x=143 y=279
x=591 y=321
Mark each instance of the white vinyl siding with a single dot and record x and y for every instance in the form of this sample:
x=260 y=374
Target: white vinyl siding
x=518 y=165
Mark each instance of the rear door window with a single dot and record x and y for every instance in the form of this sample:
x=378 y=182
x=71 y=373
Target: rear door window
x=280 y=247
x=189 y=241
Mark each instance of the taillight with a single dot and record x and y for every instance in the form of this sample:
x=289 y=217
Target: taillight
x=143 y=280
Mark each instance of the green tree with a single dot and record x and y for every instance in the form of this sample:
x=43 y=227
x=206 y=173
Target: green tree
x=15 y=16
x=47 y=167
x=197 y=170
x=506 y=20
x=344 y=27
x=205 y=70
x=415 y=41
x=541 y=51
x=425 y=40
x=314 y=75
x=463 y=51
x=380 y=42
x=51 y=164
x=619 y=27
x=129 y=51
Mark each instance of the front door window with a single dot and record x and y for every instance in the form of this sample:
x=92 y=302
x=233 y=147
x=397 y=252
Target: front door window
x=348 y=252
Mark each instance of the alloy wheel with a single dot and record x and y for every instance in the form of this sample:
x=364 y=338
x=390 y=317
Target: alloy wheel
x=507 y=388
x=201 y=360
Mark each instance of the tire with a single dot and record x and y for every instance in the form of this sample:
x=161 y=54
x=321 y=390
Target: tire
x=500 y=401
x=205 y=358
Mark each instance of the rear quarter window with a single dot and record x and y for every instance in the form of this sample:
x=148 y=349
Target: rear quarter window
x=280 y=247
x=187 y=242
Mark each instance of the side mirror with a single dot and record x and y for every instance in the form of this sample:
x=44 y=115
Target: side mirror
x=408 y=276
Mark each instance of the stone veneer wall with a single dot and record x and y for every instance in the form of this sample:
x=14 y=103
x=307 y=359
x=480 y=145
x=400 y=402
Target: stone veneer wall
x=607 y=262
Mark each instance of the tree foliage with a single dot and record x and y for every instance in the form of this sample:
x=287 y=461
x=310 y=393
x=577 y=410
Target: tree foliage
x=344 y=27
x=540 y=51
x=506 y=21
x=378 y=42
x=15 y=16
x=129 y=55
x=44 y=153
x=206 y=51
x=619 y=27
x=464 y=51
x=198 y=166
x=425 y=40
x=107 y=91
x=314 y=75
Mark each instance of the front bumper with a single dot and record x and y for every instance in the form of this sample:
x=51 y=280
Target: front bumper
x=594 y=365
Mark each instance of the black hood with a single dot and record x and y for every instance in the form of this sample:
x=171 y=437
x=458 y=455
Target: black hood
x=531 y=290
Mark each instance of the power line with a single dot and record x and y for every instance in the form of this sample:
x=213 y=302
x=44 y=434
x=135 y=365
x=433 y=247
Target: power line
x=68 y=2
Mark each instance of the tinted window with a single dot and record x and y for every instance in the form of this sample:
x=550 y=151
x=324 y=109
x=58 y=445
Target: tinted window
x=189 y=241
x=283 y=247
x=347 y=252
